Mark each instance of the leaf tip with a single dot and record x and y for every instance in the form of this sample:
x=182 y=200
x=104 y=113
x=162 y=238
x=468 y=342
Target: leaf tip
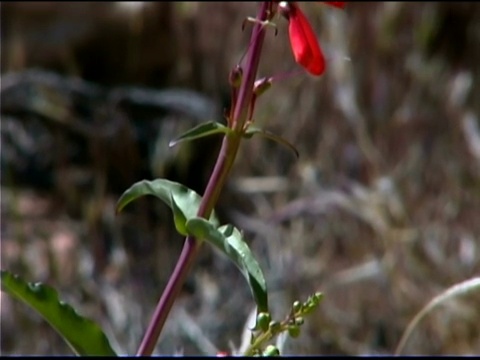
x=118 y=208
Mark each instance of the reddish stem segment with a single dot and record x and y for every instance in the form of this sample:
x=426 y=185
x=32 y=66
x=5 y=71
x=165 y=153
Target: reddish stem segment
x=219 y=175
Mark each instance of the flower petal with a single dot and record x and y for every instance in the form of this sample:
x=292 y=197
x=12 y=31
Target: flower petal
x=304 y=42
x=338 y=4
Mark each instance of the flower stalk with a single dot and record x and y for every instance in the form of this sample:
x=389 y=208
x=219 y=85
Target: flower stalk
x=224 y=163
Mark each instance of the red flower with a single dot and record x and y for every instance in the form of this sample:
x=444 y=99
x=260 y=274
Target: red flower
x=303 y=40
x=339 y=4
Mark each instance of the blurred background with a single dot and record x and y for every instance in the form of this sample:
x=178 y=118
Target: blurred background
x=378 y=212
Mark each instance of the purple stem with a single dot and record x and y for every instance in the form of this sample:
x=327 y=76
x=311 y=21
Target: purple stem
x=222 y=168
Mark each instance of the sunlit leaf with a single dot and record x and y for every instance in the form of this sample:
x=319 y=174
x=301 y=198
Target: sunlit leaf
x=200 y=131
x=229 y=240
x=178 y=217
x=187 y=201
x=81 y=334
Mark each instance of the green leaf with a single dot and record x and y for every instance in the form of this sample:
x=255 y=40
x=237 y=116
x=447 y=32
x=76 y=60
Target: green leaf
x=252 y=130
x=187 y=201
x=81 y=334
x=202 y=130
x=229 y=240
x=178 y=218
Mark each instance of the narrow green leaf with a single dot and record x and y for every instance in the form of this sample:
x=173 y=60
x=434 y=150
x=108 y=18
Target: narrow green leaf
x=229 y=240
x=202 y=130
x=187 y=200
x=252 y=130
x=81 y=334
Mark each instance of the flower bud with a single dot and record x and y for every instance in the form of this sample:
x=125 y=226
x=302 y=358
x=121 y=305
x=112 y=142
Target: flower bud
x=274 y=326
x=297 y=306
x=235 y=77
x=294 y=331
x=262 y=85
x=317 y=297
x=263 y=321
x=299 y=321
x=271 y=350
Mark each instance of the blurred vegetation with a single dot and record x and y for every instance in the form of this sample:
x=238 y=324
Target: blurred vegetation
x=380 y=212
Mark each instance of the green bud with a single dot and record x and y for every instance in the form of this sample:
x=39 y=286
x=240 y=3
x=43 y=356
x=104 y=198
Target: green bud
x=317 y=297
x=299 y=321
x=313 y=300
x=294 y=331
x=297 y=306
x=274 y=326
x=271 y=350
x=309 y=308
x=263 y=321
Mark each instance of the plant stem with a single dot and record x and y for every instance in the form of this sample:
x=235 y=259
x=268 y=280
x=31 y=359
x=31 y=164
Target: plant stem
x=219 y=175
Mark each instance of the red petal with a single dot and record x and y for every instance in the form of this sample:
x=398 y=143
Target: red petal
x=338 y=4
x=304 y=42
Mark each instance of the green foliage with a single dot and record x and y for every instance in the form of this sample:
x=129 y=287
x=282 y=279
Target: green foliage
x=83 y=336
x=229 y=240
x=183 y=201
x=262 y=333
x=179 y=218
x=200 y=131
